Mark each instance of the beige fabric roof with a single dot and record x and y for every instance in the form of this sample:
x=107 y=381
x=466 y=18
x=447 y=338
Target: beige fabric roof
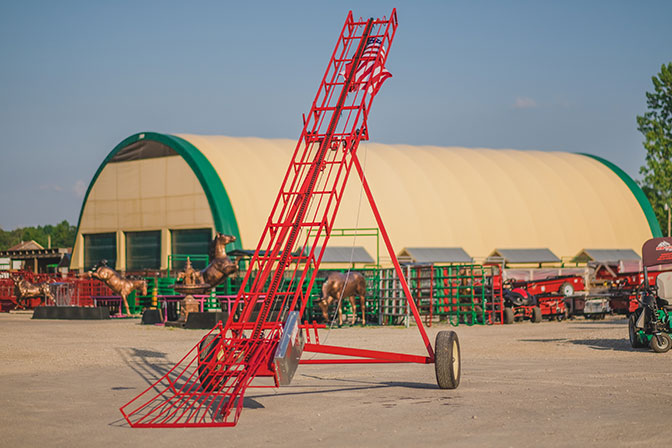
x=432 y=196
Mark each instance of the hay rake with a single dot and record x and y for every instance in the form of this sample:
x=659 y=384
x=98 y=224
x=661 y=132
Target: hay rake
x=264 y=337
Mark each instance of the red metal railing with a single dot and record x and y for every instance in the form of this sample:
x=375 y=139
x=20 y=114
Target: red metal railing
x=83 y=290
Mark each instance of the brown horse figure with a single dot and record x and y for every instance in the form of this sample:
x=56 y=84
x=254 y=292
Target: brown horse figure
x=24 y=290
x=118 y=284
x=221 y=266
x=348 y=286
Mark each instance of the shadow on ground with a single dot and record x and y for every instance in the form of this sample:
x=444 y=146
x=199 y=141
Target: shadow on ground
x=149 y=365
x=348 y=385
x=621 y=345
x=600 y=323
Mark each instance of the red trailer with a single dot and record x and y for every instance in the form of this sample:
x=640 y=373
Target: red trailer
x=550 y=295
x=564 y=285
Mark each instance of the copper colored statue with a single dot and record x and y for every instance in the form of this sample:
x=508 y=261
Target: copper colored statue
x=342 y=286
x=189 y=282
x=117 y=283
x=190 y=276
x=188 y=305
x=221 y=266
x=24 y=290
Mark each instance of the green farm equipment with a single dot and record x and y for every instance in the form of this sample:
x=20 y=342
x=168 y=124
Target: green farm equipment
x=651 y=324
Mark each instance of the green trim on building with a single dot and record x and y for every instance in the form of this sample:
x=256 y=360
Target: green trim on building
x=220 y=205
x=637 y=192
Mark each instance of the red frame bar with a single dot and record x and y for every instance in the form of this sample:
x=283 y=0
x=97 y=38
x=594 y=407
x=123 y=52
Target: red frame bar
x=373 y=355
x=395 y=262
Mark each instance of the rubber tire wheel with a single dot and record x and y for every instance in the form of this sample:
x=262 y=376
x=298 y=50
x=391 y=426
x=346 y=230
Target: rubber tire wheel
x=207 y=349
x=632 y=332
x=536 y=315
x=447 y=361
x=666 y=343
x=568 y=287
x=509 y=316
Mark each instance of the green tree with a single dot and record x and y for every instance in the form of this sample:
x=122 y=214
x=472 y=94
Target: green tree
x=656 y=126
x=62 y=235
x=8 y=239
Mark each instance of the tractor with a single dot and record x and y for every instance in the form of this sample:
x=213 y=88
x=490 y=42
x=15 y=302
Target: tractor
x=519 y=304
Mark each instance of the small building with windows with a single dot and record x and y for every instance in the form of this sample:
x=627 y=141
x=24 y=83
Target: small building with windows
x=31 y=256
x=158 y=198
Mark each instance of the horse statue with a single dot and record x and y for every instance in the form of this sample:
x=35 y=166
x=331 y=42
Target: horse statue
x=348 y=286
x=221 y=266
x=24 y=290
x=191 y=282
x=118 y=284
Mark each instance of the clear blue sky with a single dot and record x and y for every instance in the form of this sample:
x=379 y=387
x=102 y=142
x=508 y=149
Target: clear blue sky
x=77 y=77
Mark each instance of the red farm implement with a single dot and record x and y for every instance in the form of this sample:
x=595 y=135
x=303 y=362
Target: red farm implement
x=552 y=306
x=565 y=285
x=264 y=336
x=625 y=288
x=549 y=297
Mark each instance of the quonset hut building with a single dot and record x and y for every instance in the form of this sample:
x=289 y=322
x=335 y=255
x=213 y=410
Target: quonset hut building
x=157 y=195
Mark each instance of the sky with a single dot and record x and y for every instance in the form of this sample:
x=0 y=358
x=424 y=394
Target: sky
x=77 y=77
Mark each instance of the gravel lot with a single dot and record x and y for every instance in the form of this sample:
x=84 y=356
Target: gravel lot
x=574 y=383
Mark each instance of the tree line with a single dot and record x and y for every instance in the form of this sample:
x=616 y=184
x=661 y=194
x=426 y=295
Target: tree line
x=62 y=235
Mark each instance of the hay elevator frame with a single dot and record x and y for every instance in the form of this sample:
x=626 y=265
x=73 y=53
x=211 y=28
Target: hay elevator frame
x=265 y=337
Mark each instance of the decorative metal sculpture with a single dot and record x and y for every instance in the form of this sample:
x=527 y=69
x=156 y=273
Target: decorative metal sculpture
x=190 y=276
x=24 y=290
x=221 y=266
x=194 y=282
x=118 y=284
x=340 y=286
x=190 y=281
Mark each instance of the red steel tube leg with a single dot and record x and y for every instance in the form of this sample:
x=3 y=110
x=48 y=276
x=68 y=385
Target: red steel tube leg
x=397 y=267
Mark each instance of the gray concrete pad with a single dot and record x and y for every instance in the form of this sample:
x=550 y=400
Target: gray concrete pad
x=575 y=383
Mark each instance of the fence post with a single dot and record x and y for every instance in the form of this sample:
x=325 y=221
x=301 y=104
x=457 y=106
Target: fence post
x=155 y=294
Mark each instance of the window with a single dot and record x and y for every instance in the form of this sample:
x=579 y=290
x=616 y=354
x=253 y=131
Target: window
x=100 y=246
x=192 y=242
x=143 y=250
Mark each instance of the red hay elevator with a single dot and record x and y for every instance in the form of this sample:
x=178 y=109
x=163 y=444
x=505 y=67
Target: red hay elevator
x=265 y=336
